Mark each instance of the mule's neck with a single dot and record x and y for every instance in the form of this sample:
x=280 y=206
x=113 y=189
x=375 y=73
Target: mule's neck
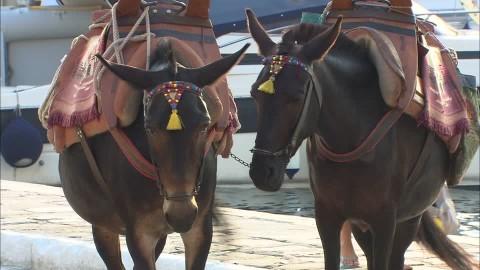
x=352 y=102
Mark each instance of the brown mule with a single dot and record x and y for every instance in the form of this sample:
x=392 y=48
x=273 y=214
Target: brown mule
x=181 y=200
x=319 y=84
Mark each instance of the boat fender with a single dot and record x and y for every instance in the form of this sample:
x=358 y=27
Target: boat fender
x=21 y=143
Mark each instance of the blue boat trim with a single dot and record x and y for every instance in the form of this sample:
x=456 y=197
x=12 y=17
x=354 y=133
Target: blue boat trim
x=468 y=55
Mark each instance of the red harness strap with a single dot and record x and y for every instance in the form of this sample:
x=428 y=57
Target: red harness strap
x=134 y=157
x=375 y=136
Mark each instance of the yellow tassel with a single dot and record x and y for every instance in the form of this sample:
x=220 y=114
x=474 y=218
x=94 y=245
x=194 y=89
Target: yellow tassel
x=439 y=223
x=267 y=87
x=174 y=123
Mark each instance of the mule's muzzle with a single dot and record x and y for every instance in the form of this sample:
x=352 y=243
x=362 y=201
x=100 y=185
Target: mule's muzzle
x=180 y=214
x=267 y=172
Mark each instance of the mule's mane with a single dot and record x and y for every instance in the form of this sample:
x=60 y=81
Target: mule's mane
x=163 y=57
x=170 y=50
x=302 y=33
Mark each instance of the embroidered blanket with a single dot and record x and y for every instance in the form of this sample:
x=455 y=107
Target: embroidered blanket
x=82 y=95
x=442 y=108
x=445 y=110
x=73 y=100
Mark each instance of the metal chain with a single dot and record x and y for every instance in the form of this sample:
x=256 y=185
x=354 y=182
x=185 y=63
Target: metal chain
x=239 y=160
x=235 y=157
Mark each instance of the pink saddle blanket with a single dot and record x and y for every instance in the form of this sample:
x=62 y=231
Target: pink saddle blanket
x=74 y=99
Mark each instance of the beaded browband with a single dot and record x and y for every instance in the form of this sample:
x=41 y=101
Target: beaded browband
x=277 y=62
x=173 y=92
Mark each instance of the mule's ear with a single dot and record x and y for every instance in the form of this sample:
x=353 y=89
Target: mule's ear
x=265 y=44
x=139 y=78
x=210 y=73
x=321 y=44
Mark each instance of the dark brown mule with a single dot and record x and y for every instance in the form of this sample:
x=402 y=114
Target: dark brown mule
x=142 y=209
x=328 y=90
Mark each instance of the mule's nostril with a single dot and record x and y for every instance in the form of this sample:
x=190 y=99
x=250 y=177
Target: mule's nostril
x=180 y=214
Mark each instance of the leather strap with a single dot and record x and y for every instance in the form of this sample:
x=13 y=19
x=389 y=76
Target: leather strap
x=128 y=7
x=348 y=4
x=415 y=173
x=342 y=4
x=401 y=3
x=166 y=18
x=97 y=174
x=198 y=8
x=296 y=137
x=135 y=158
x=377 y=134
x=146 y=168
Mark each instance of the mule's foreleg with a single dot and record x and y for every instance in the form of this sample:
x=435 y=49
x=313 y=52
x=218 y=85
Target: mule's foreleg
x=159 y=247
x=197 y=243
x=142 y=249
x=404 y=234
x=364 y=240
x=382 y=226
x=329 y=224
x=108 y=246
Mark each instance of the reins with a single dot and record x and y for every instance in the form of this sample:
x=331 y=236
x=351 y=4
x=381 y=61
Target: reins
x=290 y=149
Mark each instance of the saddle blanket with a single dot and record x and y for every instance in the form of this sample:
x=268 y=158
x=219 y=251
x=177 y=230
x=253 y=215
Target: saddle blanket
x=445 y=110
x=438 y=103
x=72 y=100
x=82 y=95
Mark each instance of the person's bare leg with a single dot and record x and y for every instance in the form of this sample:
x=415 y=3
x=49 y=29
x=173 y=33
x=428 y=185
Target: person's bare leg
x=348 y=257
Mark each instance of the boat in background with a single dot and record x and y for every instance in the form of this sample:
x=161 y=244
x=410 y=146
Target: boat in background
x=461 y=14
x=35 y=33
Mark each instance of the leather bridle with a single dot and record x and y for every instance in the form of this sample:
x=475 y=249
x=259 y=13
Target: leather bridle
x=161 y=89
x=182 y=196
x=312 y=89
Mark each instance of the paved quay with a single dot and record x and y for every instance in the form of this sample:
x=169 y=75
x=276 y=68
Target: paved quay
x=249 y=238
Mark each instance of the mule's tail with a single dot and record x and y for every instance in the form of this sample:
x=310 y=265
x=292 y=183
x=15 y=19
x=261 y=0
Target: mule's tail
x=436 y=241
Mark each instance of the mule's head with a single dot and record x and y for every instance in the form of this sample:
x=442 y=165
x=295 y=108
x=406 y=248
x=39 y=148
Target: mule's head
x=177 y=124
x=287 y=102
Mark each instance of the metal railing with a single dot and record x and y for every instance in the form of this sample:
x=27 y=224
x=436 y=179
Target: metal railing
x=439 y=13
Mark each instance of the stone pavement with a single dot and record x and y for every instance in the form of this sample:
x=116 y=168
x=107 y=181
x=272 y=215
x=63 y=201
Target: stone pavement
x=250 y=238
